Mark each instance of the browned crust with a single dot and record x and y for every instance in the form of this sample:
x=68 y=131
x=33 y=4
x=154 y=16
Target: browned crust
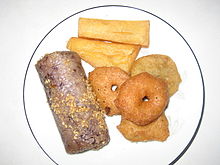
x=131 y=94
x=157 y=130
x=161 y=66
x=102 y=79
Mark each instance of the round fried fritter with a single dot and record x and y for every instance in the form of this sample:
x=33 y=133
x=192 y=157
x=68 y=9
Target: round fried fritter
x=142 y=98
x=157 y=130
x=161 y=66
x=106 y=82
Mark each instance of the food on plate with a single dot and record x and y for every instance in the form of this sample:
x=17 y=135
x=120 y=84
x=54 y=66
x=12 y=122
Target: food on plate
x=99 y=53
x=142 y=98
x=106 y=82
x=79 y=118
x=122 y=31
x=157 y=130
x=138 y=90
x=161 y=66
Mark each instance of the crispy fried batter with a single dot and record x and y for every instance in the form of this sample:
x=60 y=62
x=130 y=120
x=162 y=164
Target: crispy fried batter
x=160 y=66
x=122 y=31
x=100 y=53
x=142 y=98
x=102 y=80
x=157 y=130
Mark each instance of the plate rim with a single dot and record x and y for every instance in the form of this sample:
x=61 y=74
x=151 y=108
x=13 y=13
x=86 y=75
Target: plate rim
x=131 y=7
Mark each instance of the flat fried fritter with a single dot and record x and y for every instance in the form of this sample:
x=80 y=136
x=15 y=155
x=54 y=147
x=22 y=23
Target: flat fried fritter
x=157 y=130
x=161 y=66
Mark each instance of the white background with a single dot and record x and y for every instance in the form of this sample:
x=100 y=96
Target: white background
x=24 y=23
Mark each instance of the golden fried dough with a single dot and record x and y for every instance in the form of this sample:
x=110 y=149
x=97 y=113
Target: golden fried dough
x=160 y=66
x=122 y=31
x=102 y=80
x=142 y=98
x=157 y=130
x=100 y=53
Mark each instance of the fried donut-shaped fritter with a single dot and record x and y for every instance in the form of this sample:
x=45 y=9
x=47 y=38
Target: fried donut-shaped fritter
x=142 y=98
x=104 y=80
x=157 y=130
x=161 y=66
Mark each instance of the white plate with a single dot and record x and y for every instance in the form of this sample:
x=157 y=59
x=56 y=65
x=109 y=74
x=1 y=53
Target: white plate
x=184 y=112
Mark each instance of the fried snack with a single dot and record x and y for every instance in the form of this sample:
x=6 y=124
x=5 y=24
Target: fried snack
x=102 y=80
x=77 y=114
x=99 y=53
x=157 y=130
x=160 y=66
x=142 y=98
x=128 y=32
